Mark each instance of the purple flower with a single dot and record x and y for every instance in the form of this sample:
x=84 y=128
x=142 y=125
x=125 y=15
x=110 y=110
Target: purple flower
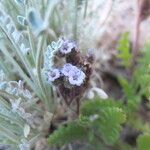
x=74 y=74
x=53 y=75
x=76 y=77
x=66 y=69
x=67 y=46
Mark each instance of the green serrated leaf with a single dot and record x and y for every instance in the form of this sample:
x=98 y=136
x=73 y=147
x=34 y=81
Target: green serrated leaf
x=64 y=135
x=124 y=50
x=144 y=142
x=110 y=116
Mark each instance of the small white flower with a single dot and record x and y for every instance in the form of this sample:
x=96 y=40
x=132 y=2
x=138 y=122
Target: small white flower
x=53 y=75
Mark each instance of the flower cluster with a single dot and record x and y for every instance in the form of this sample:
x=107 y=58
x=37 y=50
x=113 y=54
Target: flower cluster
x=68 y=69
x=71 y=73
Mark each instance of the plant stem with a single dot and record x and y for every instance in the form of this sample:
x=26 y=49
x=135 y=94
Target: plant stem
x=31 y=43
x=135 y=50
x=39 y=58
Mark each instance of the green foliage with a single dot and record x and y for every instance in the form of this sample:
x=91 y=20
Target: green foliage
x=135 y=88
x=128 y=89
x=139 y=84
x=142 y=78
x=64 y=135
x=21 y=56
x=26 y=30
x=124 y=50
x=144 y=142
x=142 y=73
x=99 y=122
x=110 y=116
x=131 y=97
